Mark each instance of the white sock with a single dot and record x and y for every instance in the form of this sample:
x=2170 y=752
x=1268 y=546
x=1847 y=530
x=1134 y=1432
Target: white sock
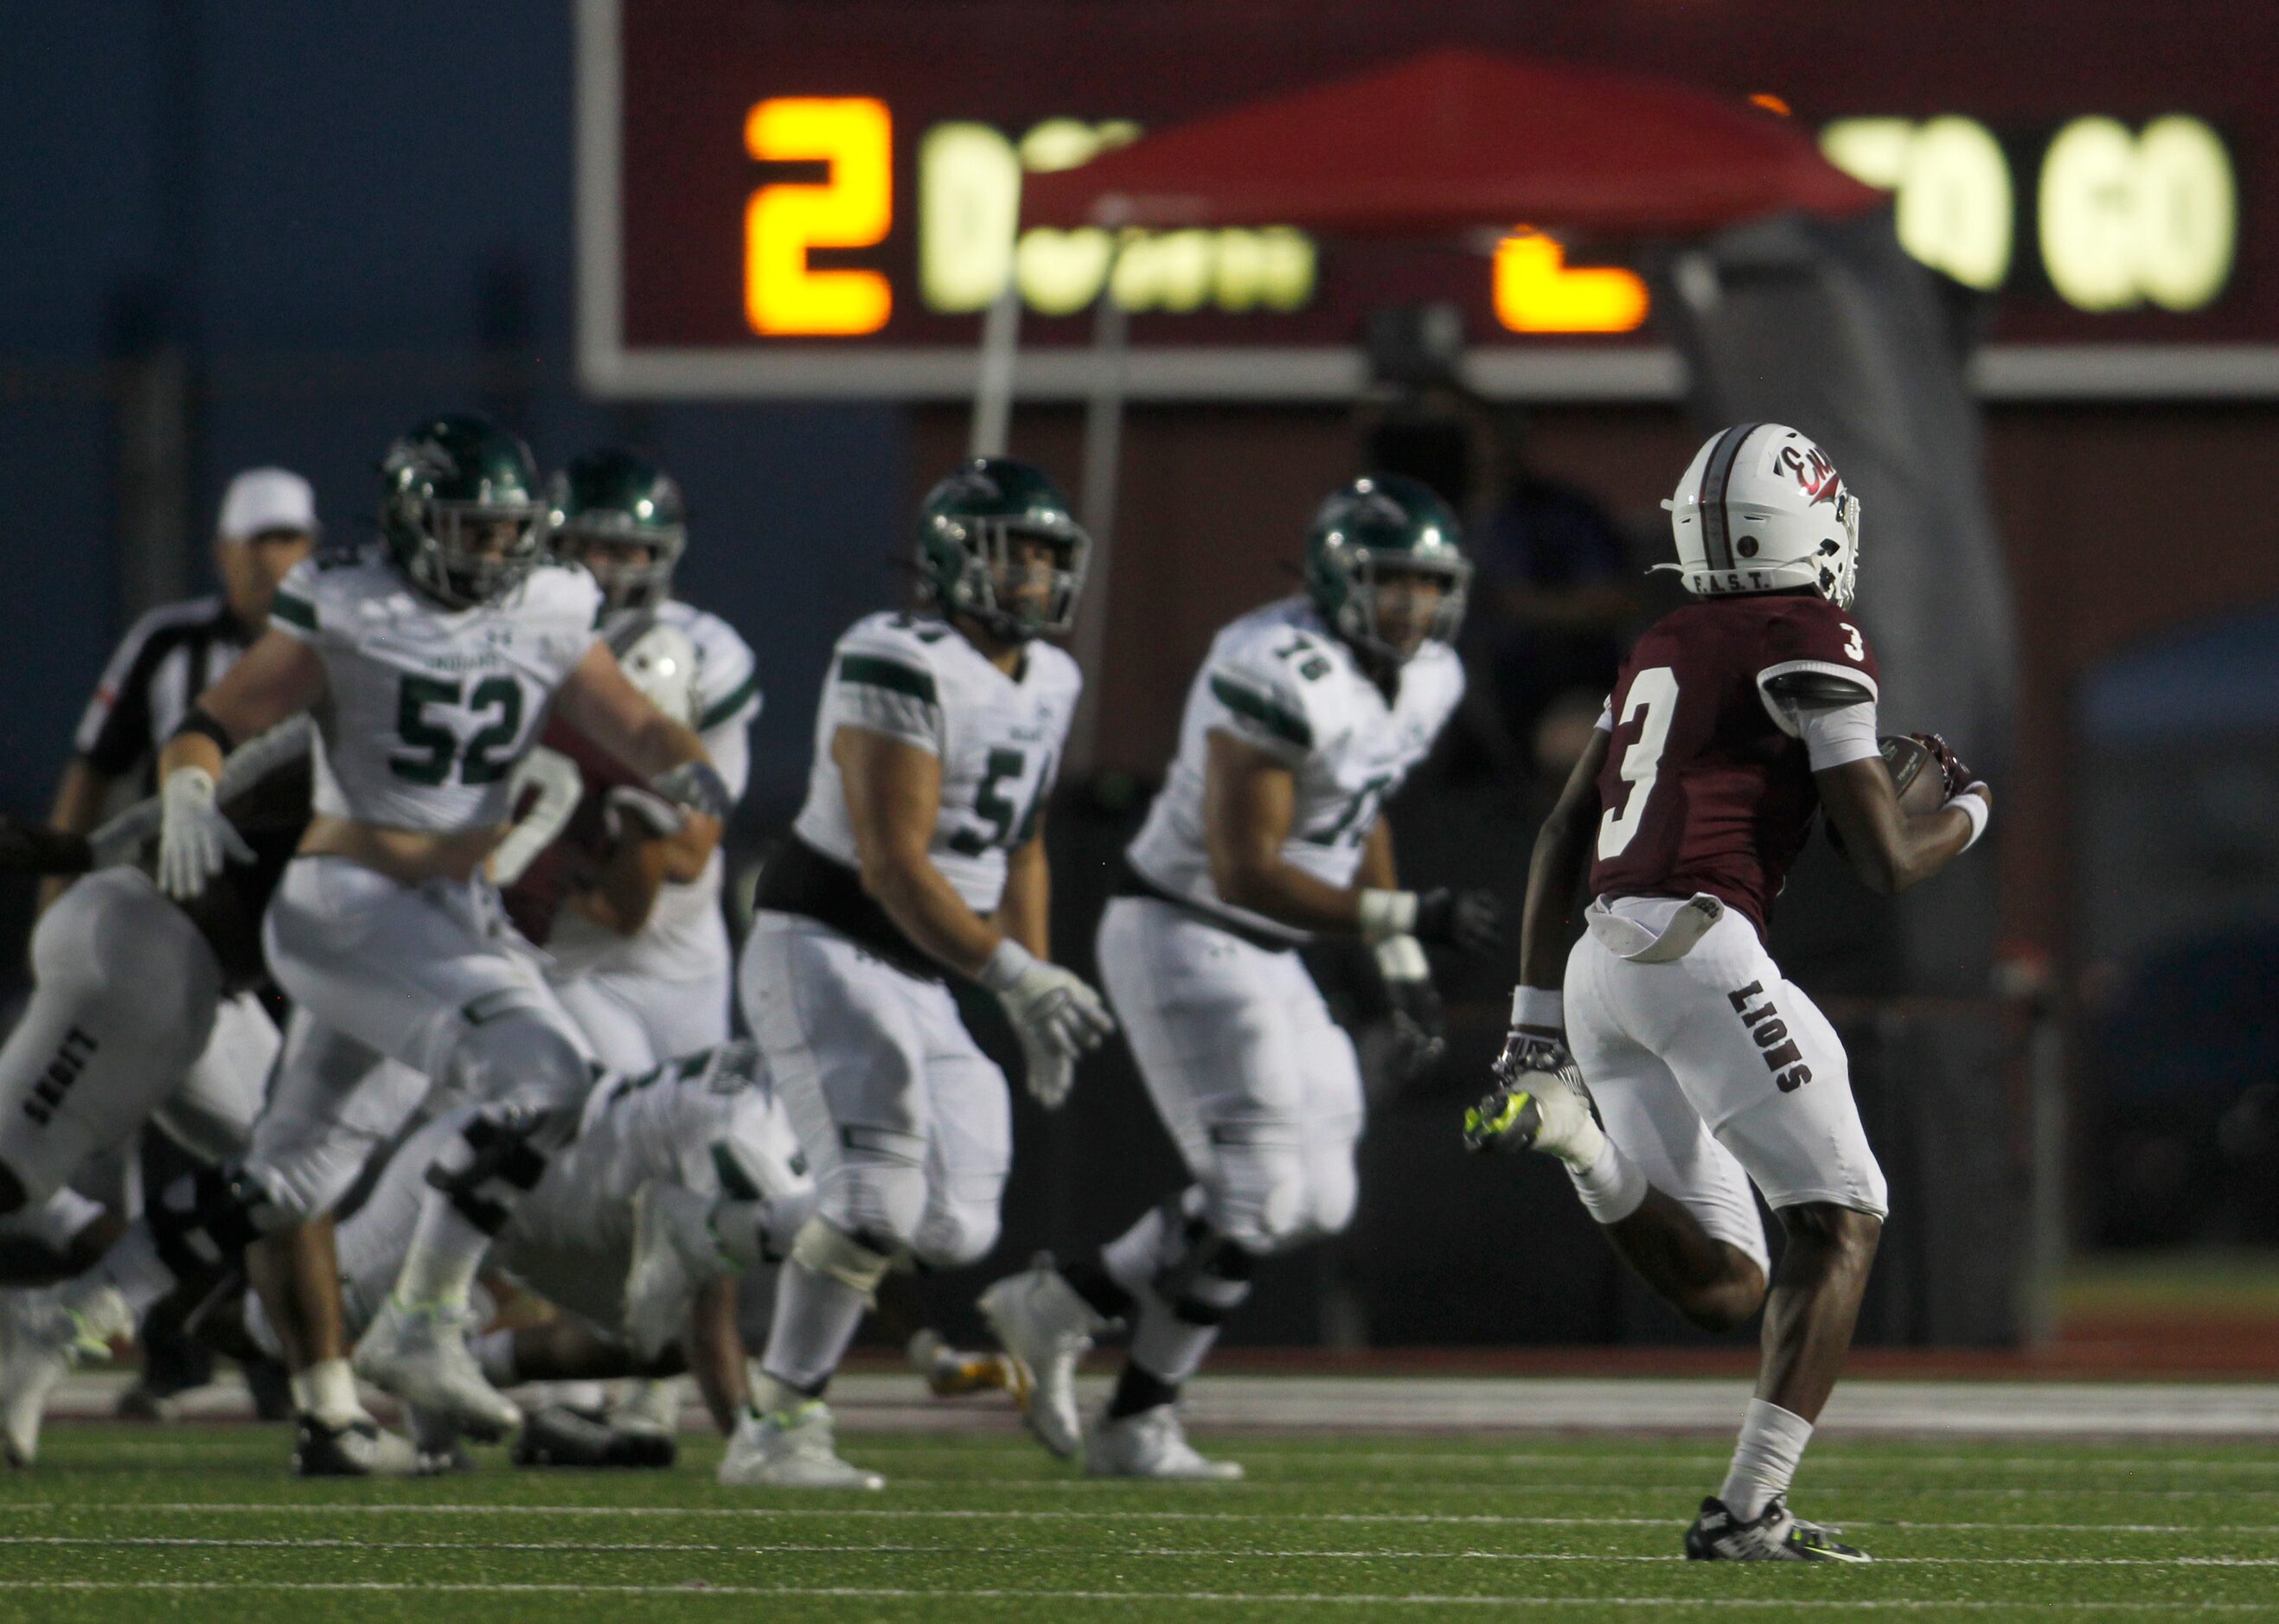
x=326 y=1390
x=446 y=1250
x=816 y=1316
x=1167 y=1346
x=1134 y=1257
x=1765 y=1459
x=1612 y=1187
x=133 y=1266
x=102 y=1310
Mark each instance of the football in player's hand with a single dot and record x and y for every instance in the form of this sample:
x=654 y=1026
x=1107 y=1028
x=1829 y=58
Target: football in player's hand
x=1915 y=778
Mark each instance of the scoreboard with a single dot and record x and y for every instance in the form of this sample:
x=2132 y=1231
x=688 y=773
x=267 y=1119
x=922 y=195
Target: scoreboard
x=785 y=198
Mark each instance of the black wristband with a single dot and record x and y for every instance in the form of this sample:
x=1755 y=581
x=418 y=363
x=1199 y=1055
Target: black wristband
x=198 y=720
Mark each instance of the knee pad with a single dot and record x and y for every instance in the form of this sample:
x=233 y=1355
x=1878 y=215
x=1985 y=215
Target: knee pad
x=1333 y=1190
x=521 y=1053
x=877 y=1188
x=499 y=1158
x=1256 y=1194
x=956 y=1233
x=825 y=1249
x=202 y=1222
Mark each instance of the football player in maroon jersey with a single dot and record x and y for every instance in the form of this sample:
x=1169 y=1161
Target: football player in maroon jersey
x=1733 y=721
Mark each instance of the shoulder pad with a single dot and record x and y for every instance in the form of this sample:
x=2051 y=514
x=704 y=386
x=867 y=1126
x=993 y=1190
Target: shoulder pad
x=1817 y=687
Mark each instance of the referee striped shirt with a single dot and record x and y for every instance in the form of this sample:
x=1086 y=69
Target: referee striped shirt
x=172 y=654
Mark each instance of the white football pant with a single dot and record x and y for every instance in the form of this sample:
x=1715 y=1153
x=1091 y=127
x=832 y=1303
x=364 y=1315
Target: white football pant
x=906 y=1123
x=1715 y=1069
x=1258 y=1086
x=126 y=1023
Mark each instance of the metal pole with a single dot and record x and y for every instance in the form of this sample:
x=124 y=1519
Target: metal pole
x=1103 y=452
x=993 y=388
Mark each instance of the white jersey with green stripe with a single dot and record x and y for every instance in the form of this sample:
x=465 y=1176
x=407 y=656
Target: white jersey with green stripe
x=1282 y=682
x=426 y=709
x=685 y=935
x=1000 y=738
x=709 y=1122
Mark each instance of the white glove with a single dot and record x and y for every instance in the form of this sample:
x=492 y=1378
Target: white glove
x=194 y=840
x=1056 y=1015
x=629 y=811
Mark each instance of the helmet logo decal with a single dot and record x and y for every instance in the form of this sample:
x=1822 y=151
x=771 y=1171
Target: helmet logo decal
x=1747 y=546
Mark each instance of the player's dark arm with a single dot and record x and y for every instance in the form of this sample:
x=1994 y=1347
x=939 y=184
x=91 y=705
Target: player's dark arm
x=1556 y=872
x=1889 y=849
x=1378 y=871
x=1249 y=802
x=893 y=797
x=279 y=677
x=79 y=797
x=601 y=702
x=623 y=894
x=1024 y=913
x=716 y=1352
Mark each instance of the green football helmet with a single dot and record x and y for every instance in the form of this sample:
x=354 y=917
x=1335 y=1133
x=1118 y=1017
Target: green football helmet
x=619 y=497
x=459 y=507
x=1378 y=524
x=966 y=527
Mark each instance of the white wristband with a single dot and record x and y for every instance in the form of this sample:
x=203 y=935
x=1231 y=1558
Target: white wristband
x=1003 y=968
x=1401 y=958
x=1975 y=809
x=1387 y=913
x=1538 y=1006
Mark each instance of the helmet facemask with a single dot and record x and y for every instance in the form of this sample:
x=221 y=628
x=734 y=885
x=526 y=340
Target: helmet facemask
x=467 y=553
x=1366 y=572
x=992 y=561
x=590 y=539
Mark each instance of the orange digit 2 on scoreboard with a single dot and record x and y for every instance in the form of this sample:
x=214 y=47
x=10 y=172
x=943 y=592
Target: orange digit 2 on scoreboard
x=852 y=208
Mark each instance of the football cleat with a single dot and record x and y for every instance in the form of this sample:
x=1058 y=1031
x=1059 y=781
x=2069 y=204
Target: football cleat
x=790 y=1450
x=559 y=1436
x=41 y=1338
x=1151 y=1444
x=954 y=1373
x=674 y=1253
x=1775 y=1535
x=1038 y=1319
x=1545 y=1111
x=649 y=1403
x=361 y=1448
x=420 y=1355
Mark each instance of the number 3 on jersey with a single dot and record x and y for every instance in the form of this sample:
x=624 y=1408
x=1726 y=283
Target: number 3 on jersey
x=1654 y=692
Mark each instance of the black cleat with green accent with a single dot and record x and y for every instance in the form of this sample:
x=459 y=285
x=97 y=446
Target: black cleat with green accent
x=1508 y=1120
x=559 y=1436
x=1774 y=1536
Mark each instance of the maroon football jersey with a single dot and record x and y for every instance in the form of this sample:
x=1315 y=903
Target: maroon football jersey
x=1703 y=789
x=574 y=860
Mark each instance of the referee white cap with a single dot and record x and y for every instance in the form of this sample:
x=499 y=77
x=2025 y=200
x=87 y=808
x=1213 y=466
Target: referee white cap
x=266 y=499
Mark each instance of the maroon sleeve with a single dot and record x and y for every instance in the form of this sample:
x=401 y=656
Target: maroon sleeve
x=1812 y=632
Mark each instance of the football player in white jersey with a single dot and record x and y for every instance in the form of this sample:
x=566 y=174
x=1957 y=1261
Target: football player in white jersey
x=1306 y=716
x=919 y=854
x=665 y=990
x=704 y=1131
x=429 y=664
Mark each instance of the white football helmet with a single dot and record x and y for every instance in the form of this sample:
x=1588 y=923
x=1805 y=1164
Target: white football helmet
x=662 y=663
x=1762 y=508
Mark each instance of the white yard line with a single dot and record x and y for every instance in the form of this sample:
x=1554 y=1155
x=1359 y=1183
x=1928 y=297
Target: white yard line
x=80 y=1509
x=1248 y=1599
x=1174 y=1552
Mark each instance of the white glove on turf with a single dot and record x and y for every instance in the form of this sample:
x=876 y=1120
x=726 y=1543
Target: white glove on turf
x=194 y=840
x=1057 y=1016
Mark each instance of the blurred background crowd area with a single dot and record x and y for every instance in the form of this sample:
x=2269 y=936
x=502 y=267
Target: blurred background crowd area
x=247 y=232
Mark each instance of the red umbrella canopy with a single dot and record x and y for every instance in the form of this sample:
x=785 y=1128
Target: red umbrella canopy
x=1453 y=140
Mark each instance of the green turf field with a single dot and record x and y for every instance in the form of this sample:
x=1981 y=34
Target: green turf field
x=201 y=1522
